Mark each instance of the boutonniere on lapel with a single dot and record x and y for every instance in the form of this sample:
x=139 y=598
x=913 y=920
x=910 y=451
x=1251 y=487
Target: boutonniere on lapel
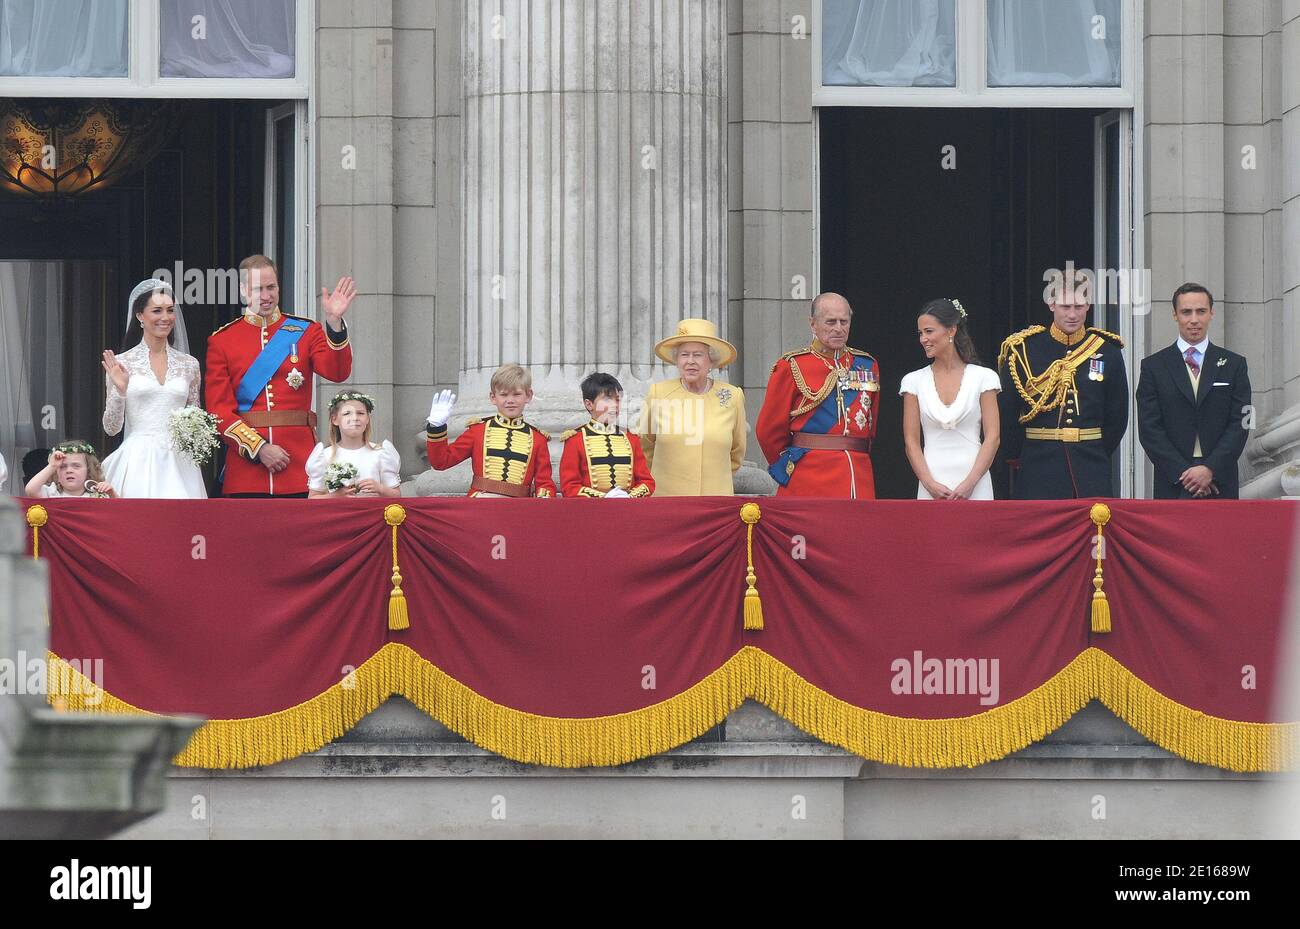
x=724 y=396
x=1223 y=362
x=295 y=378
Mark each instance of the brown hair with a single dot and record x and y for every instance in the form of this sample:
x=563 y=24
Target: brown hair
x=946 y=312
x=1192 y=289
x=336 y=435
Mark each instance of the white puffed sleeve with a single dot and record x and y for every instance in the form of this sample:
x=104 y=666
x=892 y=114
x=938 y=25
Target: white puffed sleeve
x=989 y=380
x=390 y=465
x=316 y=464
x=908 y=384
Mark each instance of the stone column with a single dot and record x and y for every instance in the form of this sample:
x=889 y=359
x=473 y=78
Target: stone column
x=1271 y=467
x=594 y=191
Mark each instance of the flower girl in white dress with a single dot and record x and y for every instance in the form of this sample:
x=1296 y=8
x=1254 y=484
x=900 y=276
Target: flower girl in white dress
x=953 y=404
x=143 y=386
x=378 y=467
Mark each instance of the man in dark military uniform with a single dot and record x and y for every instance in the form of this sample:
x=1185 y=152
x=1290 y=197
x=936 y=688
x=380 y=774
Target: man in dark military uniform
x=1065 y=401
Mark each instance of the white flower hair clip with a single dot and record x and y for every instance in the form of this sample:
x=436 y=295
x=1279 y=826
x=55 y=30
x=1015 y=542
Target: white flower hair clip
x=960 y=309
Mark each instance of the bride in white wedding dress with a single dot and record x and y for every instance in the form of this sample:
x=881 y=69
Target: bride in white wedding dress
x=143 y=387
x=961 y=434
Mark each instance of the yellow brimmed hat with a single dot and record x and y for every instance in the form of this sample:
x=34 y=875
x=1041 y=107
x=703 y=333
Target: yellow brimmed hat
x=697 y=330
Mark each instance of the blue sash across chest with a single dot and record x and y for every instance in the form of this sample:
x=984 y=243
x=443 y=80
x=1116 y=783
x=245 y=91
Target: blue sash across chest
x=265 y=365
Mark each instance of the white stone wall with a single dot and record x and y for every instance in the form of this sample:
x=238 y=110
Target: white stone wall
x=772 y=188
x=387 y=83
x=1222 y=179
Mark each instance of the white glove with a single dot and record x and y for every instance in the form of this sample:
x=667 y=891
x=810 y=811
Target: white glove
x=617 y=493
x=440 y=411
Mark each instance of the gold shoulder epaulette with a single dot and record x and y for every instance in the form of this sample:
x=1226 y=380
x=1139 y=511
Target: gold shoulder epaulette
x=469 y=424
x=568 y=435
x=1015 y=339
x=789 y=356
x=237 y=319
x=545 y=435
x=1109 y=335
x=862 y=353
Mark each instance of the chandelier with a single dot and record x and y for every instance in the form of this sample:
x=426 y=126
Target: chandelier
x=53 y=149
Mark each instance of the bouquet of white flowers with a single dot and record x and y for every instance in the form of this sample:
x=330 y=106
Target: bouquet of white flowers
x=194 y=433
x=340 y=474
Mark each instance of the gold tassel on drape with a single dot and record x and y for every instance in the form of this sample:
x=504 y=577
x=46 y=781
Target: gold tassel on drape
x=1100 y=607
x=398 y=618
x=751 y=514
x=37 y=516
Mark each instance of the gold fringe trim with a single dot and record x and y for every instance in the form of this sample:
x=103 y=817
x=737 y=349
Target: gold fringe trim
x=751 y=673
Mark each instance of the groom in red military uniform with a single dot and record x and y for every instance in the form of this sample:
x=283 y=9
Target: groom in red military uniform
x=259 y=382
x=821 y=411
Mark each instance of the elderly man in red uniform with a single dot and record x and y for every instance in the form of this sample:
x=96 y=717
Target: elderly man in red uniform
x=821 y=411
x=259 y=382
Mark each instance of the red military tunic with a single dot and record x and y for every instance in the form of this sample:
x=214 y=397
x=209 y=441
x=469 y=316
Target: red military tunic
x=799 y=385
x=505 y=451
x=598 y=458
x=231 y=350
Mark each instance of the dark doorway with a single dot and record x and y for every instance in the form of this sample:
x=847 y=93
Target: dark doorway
x=198 y=203
x=899 y=228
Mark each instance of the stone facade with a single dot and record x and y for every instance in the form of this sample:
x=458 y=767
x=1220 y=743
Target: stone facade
x=398 y=774
x=66 y=775
x=590 y=266
x=1222 y=173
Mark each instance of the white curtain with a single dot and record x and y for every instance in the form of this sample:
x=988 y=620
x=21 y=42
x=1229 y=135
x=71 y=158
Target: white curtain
x=31 y=359
x=235 y=38
x=889 y=43
x=63 y=38
x=1062 y=43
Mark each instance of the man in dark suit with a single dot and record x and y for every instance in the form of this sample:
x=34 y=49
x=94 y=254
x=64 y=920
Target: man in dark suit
x=1192 y=401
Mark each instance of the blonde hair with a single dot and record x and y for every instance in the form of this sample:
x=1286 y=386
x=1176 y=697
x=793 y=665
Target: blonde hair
x=336 y=434
x=508 y=377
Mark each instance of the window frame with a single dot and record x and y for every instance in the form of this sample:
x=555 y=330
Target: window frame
x=144 y=81
x=972 y=72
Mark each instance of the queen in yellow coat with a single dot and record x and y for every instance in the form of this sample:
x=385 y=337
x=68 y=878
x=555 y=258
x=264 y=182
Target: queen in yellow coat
x=693 y=428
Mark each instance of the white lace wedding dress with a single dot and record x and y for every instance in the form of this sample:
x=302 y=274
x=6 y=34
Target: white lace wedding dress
x=146 y=465
x=952 y=434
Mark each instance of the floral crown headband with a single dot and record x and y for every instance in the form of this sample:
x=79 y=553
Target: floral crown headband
x=347 y=395
x=74 y=448
x=961 y=310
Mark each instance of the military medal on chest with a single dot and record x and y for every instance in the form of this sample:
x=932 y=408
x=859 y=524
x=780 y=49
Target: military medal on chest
x=1097 y=368
x=294 y=377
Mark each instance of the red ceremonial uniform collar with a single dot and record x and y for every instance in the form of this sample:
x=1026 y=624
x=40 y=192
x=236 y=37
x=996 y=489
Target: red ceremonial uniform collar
x=263 y=322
